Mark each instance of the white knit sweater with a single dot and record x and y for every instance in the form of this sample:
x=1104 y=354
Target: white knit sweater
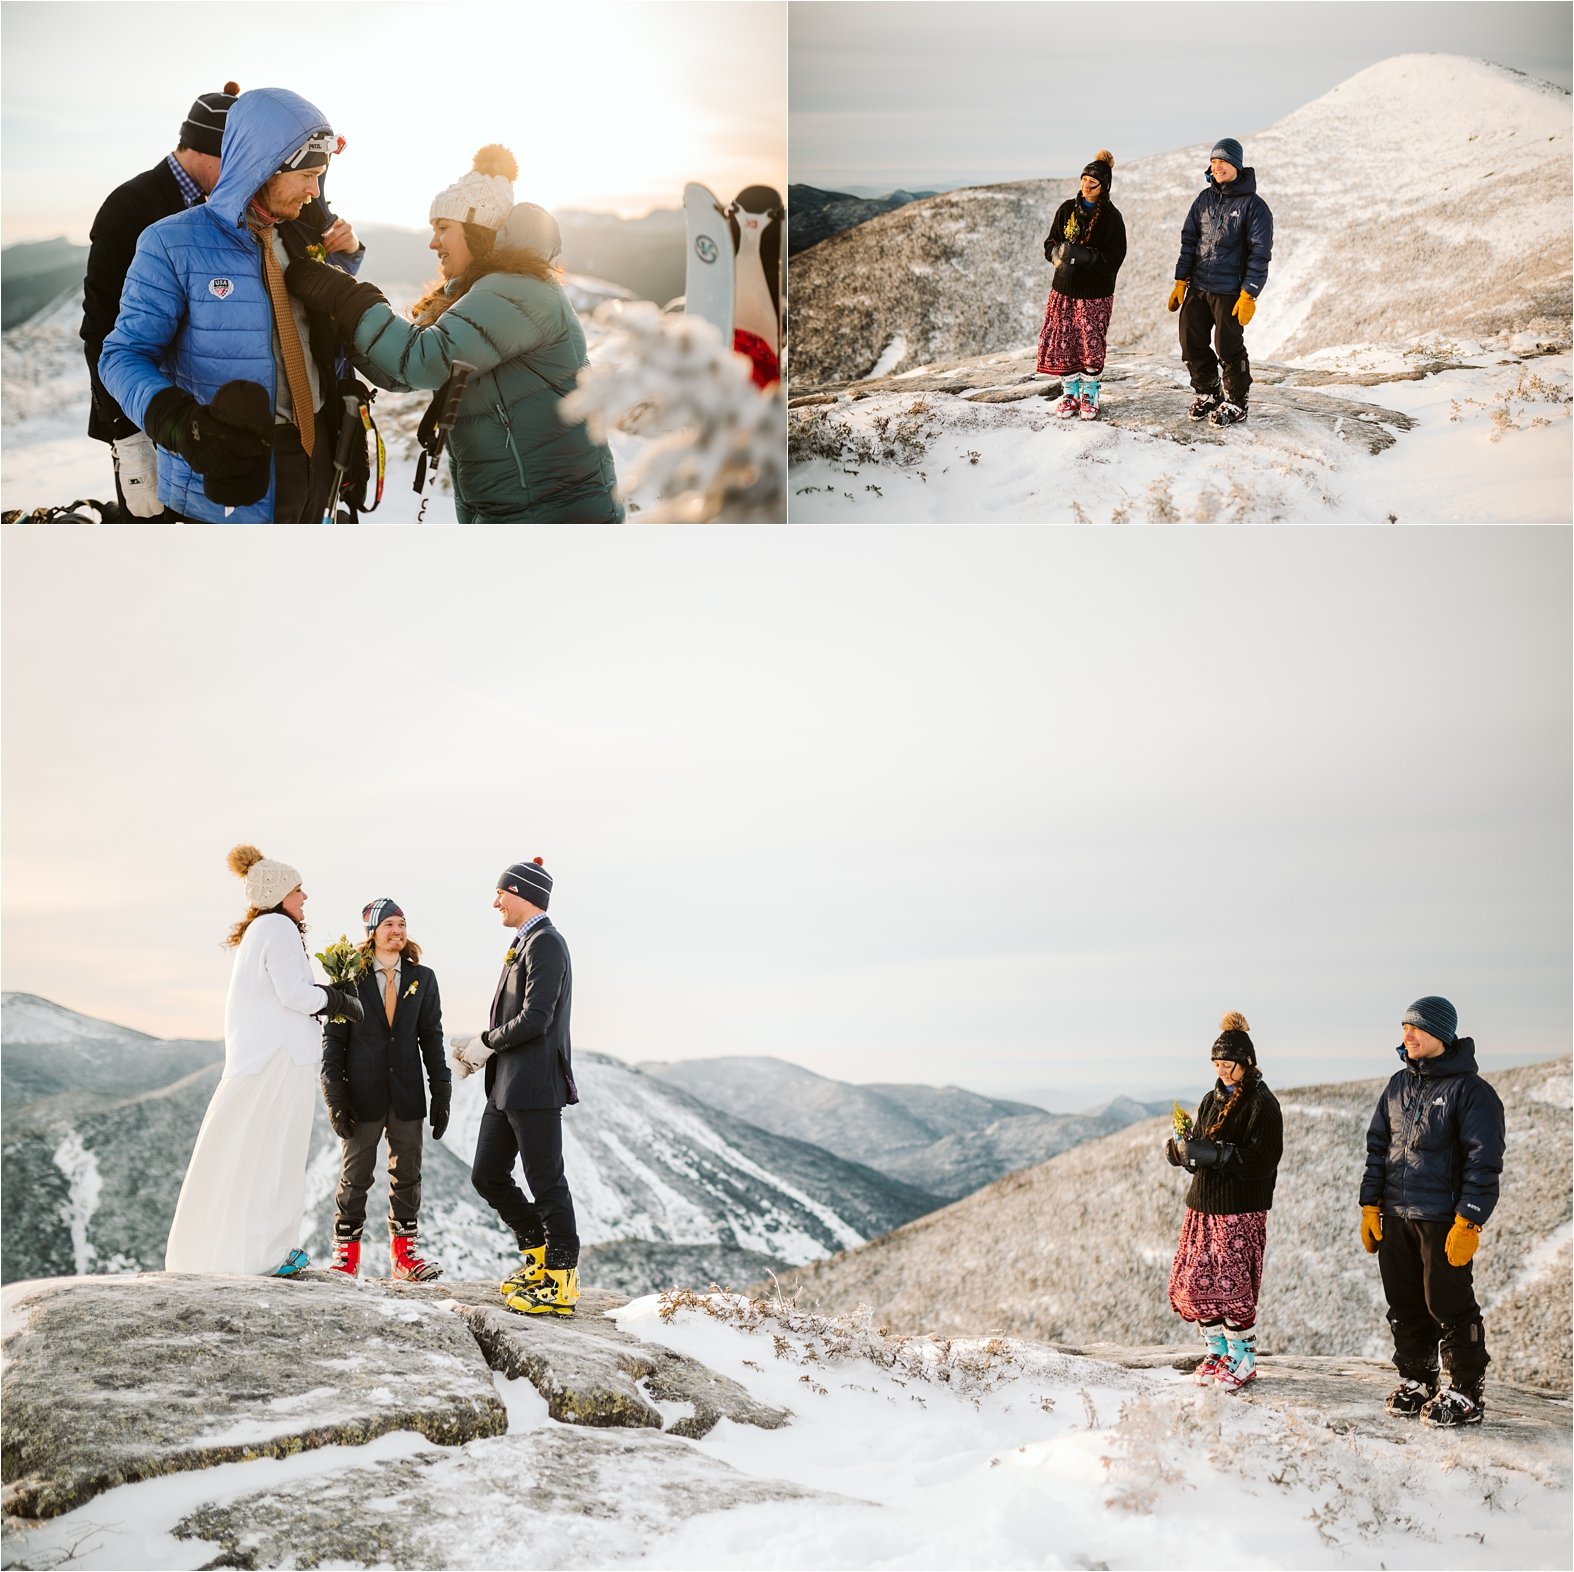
x=272 y=999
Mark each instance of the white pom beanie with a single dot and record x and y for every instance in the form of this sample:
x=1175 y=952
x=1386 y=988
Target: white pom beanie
x=476 y=198
x=267 y=881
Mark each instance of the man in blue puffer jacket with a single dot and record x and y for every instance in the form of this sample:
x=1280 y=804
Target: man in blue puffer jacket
x=1434 y=1152
x=210 y=357
x=1226 y=245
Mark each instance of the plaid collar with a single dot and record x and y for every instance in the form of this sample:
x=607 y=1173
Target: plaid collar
x=526 y=926
x=190 y=191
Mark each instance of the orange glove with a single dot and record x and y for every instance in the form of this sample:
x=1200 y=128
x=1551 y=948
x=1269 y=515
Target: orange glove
x=1371 y=1227
x=1462 y=1240
x=1178 y=294
x=1244 y=309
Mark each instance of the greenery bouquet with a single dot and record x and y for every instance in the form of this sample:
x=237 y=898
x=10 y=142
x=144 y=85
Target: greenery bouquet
x=342 y=963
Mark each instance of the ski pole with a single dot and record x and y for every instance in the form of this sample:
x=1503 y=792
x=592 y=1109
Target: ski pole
x=458 y=380
x=349 y=425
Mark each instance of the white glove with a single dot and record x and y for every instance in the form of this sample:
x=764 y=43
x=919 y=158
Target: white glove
x=136 y=463
x=467 y=1055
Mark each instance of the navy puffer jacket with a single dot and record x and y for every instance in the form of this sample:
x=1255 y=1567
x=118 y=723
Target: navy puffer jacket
x=195 y=311
x=1227 y=239
x=1434 y=1148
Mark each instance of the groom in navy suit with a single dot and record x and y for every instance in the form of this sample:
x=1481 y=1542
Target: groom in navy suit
x=527 y=1058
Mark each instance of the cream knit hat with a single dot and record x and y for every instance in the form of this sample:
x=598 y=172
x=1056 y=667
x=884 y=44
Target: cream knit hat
x=267 y=881
x=484 y=196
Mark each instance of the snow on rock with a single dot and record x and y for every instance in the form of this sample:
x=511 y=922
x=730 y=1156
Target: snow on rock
x=891 y=357
x=80 y=1167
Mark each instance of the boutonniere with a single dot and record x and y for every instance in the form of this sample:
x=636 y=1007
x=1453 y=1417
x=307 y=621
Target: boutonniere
x=512 y=956
x=411 y=989
x=318 y=253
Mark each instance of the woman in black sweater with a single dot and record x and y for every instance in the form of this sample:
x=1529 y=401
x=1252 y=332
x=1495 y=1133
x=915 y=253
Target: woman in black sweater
x=1233 y=1147
x=1087 y=244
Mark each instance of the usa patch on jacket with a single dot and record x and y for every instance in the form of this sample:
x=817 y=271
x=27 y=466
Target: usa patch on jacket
x=221 y=287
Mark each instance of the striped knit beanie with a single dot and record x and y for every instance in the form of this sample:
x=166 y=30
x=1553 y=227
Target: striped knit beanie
x=203 y=129
x=529 y=881
x=1435 y=1015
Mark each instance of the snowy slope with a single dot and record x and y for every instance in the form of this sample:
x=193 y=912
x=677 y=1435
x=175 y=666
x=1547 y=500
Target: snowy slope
x=25 y=1018
x=1461 y=227
x=98 y=1134
x=1079 y=1249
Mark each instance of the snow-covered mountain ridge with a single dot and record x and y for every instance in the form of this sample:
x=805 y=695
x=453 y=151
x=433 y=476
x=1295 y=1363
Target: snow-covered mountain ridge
x=1460 y=227
x=1078 y=1250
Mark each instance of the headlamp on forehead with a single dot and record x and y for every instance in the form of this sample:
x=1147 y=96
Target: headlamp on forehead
x=314 y=153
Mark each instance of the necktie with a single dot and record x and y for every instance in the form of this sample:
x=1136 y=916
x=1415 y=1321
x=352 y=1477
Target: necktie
x=290 y=345
x=390 y=997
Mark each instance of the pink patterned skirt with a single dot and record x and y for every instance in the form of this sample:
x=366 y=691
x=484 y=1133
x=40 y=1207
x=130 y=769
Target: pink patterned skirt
x=1218 y=1267
x=1072 y=338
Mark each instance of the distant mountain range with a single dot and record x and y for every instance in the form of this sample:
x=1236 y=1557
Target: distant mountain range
x=34 y=273
x=1078 y=1249
x=813 y=214
x=943 y=1139
x=100 y=1122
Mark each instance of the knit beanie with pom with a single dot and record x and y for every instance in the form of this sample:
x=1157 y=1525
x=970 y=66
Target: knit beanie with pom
x=267 y=881
x=528 y=880
x=1102 y=168
x=486 y=195
x=1233 y=1044
x=203 y=129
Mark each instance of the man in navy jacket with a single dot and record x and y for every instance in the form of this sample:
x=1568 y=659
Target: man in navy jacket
x=1226 y=245
x=527 y=1057
x=1434 y=1151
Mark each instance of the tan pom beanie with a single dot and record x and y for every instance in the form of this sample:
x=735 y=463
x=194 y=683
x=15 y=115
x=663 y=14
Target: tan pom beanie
x=267 y=881
x=485 y=196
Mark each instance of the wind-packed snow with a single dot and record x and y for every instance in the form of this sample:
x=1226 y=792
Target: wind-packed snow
x=923 y=1453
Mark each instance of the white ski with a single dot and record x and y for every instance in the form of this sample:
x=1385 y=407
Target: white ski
x=757 y=227
x=708 y=277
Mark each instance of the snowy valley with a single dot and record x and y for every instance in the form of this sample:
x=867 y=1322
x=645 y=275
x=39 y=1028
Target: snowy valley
x=1412 y=370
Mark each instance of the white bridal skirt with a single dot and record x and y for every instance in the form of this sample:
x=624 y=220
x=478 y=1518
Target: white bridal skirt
x=244 y=1194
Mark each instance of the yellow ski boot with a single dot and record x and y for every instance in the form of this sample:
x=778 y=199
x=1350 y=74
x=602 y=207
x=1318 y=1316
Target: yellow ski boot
x=556 y=1294
x=530 y=1274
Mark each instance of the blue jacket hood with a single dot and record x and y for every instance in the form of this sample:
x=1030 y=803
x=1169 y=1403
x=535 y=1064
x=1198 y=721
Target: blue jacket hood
x=264 y=126
x=1459 y=1058
x=1244 y=183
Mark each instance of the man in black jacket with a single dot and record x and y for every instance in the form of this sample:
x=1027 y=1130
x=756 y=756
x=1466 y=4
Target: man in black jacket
x=1434 y=1152
x=528 y=1062
x=373 y=1084
x=181 y=180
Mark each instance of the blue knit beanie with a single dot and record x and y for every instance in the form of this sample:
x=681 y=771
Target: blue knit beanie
x=1435 y=1015
x=1229 y=150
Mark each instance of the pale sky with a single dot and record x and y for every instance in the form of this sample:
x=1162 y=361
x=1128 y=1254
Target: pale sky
x=966 y=92
x=1006 y=809
x=609 y=107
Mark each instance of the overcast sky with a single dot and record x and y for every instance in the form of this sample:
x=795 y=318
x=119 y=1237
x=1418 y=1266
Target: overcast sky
x=611 y=107
x=946 y=94
x=1016 y=810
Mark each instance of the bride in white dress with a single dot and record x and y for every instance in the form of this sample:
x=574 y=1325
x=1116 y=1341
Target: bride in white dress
x=244 y=1194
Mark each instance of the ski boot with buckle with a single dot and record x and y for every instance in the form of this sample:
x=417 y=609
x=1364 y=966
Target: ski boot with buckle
x=407 y=1265
x=346 y=1258
x=1410 y=1397
x=556 y=1294
x=530 y=1274
x=1455 y=1406
x=1205 y=403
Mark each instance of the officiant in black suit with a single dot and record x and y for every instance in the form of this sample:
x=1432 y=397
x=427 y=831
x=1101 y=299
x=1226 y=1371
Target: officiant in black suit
x=528 y=1062
x=375 y=1074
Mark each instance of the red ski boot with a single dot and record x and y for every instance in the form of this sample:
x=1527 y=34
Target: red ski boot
x=346 y=1257
x=407 y=1265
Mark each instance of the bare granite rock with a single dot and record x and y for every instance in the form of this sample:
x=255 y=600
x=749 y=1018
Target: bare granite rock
x=115 y=1379
x=547 y=1498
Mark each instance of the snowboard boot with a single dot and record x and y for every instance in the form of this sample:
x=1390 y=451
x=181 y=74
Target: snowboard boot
x=1410 y=1397
x=1240 y=1361
x=295 y=1261
x=346 y=1257
x=1454 y=1406
x=1214 y=1342
x=1205 y=403
x=1227 y=414
x=556 y=1294
x=530 y=1274
x=407 y=1265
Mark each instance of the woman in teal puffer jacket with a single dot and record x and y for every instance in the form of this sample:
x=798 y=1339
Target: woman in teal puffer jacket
x=501 y=307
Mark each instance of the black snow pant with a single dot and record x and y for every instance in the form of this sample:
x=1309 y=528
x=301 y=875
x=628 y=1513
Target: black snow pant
x=1205 y=317
x=359 y=1162
x=536 y=1135
x=1430 y=1302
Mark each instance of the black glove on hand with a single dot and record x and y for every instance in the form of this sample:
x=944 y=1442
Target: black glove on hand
x=340 y=1114
x=325 y=288
x=341 y=1001
x=442 y=1097
x=228 y=442
x=1202 y=1153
